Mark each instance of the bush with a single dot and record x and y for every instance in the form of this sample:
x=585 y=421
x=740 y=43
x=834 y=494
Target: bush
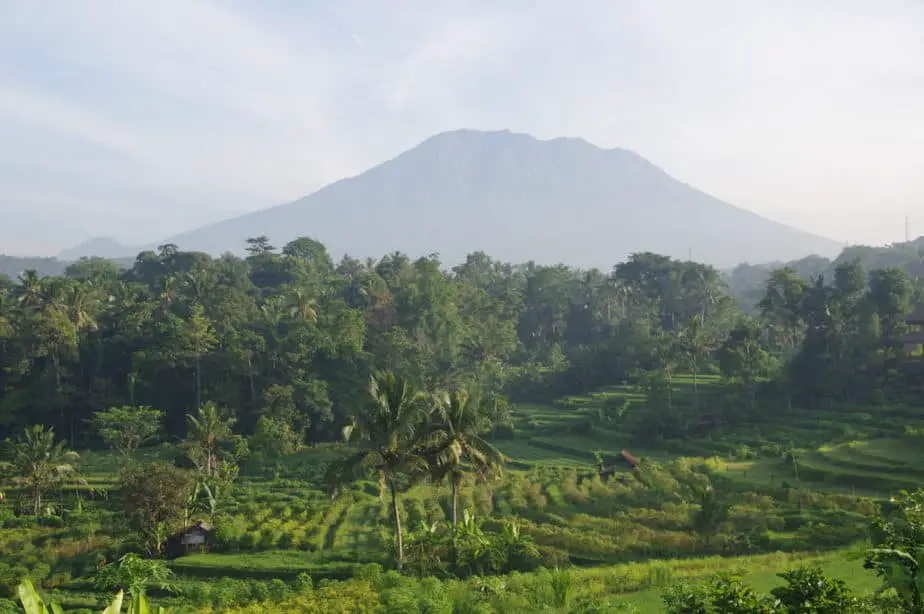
x=809 y=590
x=304 y=585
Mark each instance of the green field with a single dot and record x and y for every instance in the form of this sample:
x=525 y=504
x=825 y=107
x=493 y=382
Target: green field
x=628 y=539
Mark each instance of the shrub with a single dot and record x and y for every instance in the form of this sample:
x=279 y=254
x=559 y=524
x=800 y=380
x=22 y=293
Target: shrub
x=304 y=585
x=687 y=599
x=810 y=591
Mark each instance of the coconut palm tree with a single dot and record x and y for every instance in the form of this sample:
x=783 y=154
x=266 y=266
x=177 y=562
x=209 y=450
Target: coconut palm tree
x=301 y=306
x=695 y=344
x=206 y=430
x=31 y=291
x=80 y=302
x=459 y=448
x=388 y=436
x=41 y=463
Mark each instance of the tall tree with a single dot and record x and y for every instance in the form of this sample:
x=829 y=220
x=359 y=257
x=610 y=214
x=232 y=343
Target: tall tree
x=695 y=344
x=388 y=436
x=41 y=463
x=459 y=447
x=743 y=358
x=199 y=336
x=891 y=291
x=208 y=429
x=781 y=306
x=127 y=428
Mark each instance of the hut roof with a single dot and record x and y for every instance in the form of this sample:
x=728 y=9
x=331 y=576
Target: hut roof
x=916 y=316
x=913 y=338
x=199 y=527
x=629 y=458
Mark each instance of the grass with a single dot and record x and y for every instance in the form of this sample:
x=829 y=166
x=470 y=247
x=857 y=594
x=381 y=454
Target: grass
x=284 y=564
x=760 y=572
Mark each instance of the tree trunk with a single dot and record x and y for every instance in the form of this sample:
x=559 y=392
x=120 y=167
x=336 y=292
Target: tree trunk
x=670 y=393
x=399 y=533
x=37 y=500
x=198 y=382
x=695 y=386
x=131 y=388
x=455 y=502
x=455 y=519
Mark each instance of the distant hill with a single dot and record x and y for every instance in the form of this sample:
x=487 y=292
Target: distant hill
x=518 y=199
x=12 y=266
x=746 y=281
x=101 y=247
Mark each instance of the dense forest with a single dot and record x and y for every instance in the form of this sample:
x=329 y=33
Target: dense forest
x=291 y=328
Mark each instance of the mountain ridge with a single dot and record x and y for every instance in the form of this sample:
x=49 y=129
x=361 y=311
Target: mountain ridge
x=518 y=198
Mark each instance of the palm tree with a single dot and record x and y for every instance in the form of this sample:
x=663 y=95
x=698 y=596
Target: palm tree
x=200 y=338
x=80 y=303
x=388 y=435
x=41 y=463
x=168 y=285
x=207 y=429
x=459 y=447
x=302 y=306
x=666 y=357
x=695 y=344
x=31 y=292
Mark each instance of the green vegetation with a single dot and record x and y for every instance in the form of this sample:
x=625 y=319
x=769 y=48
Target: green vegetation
x=392 y=437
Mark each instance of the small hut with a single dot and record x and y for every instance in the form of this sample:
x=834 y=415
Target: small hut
x=612 y=464
x=193 y=539
x=914 y=339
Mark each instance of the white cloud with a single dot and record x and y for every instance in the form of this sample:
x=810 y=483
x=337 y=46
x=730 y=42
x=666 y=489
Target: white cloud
x=807 y=112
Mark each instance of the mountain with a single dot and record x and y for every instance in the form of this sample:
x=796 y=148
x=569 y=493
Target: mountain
x=518 y=199
x=101 y=247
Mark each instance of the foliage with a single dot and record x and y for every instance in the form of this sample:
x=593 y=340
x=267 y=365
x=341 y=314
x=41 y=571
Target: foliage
x=458 y=445
x=127 y=428
x=33 y=603
x=155 y=499
x=807 y=591
x=898 y=553
x=41 y=463
x=810 y=591
x=134 y=575
x=389 y=436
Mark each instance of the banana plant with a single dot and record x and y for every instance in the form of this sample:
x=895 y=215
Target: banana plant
x=898 y=553
x=32 y=603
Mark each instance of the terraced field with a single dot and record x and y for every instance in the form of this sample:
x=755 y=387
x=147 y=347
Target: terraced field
x=878 y=464
x=282 y=526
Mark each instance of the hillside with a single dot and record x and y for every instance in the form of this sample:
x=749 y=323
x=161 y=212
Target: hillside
x=12 y=266
x=517 y=198
x=746 y=281
x=99 y=247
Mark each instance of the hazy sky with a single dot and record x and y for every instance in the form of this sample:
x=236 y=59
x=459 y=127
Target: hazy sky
x=137 y=119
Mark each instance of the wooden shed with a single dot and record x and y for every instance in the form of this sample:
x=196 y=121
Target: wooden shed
x=615 y=463
x=194 y=539
x=914 y=339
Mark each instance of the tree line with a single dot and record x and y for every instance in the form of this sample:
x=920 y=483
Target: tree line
x=289 y=333
x=286 y=337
